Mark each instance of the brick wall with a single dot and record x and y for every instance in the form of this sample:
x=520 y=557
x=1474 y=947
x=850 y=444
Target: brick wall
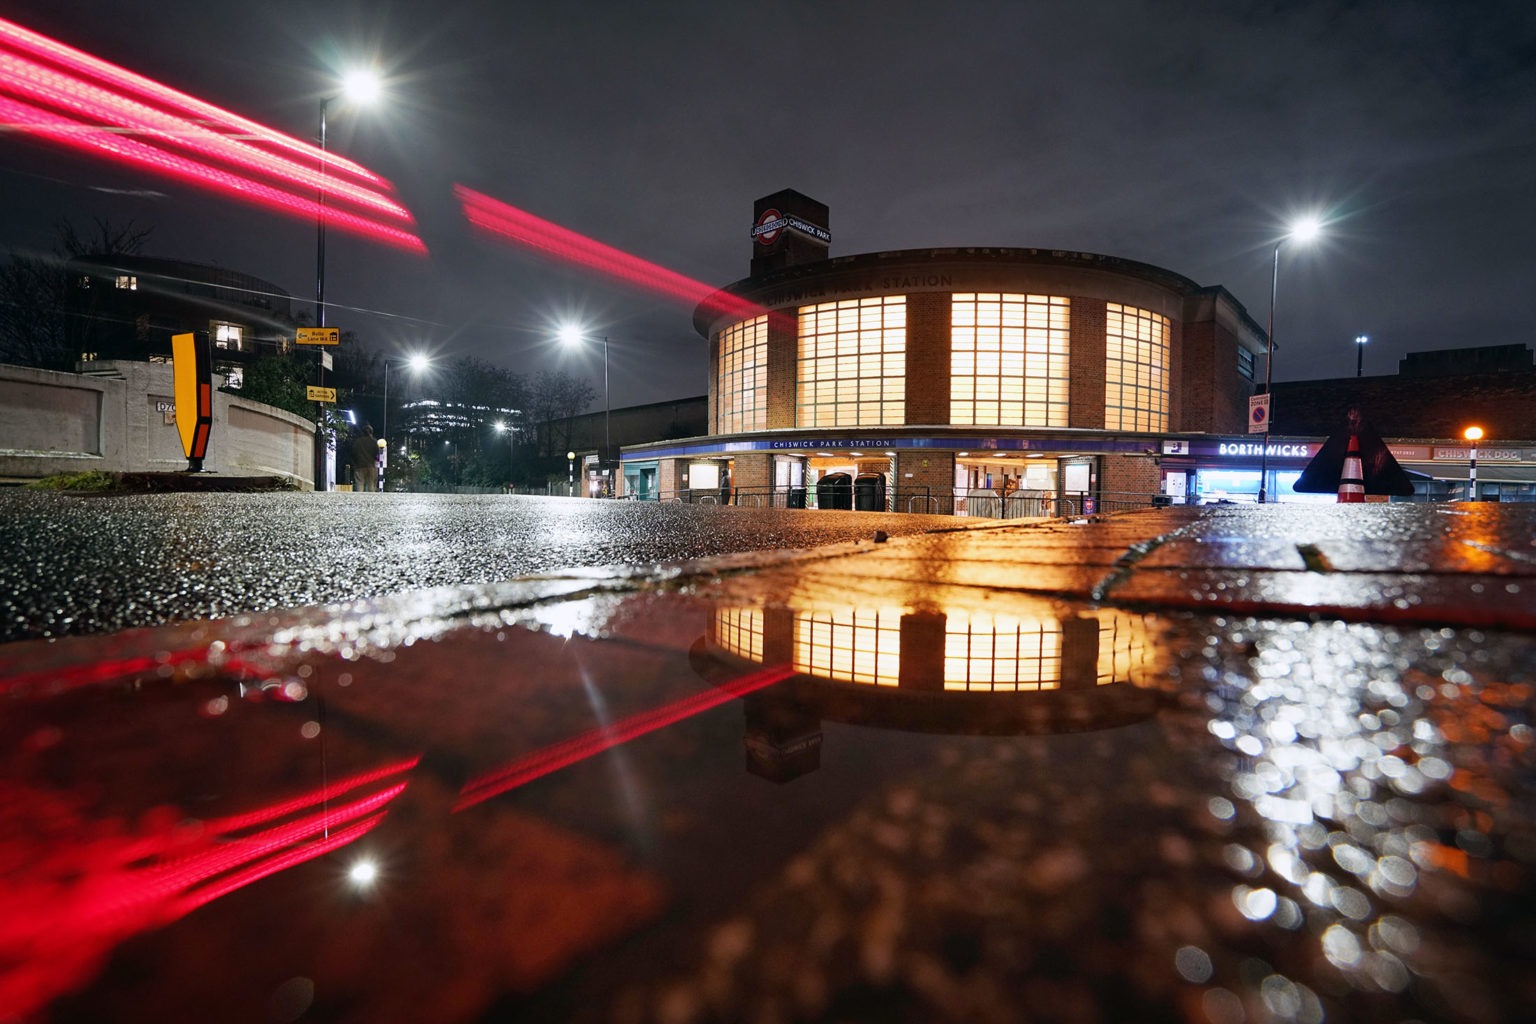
x=752 y=471
x=1124 y=475
x=1085 y=403
x=933 y=470
x=783 y=368
x=928 y=364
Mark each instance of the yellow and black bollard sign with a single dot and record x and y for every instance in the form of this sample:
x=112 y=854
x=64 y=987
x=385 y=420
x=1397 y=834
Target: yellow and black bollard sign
x=192 y=368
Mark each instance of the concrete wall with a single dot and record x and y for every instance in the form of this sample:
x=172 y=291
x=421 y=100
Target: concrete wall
x=119 y=417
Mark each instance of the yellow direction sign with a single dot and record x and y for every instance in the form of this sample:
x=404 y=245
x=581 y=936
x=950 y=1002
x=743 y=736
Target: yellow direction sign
x=319 y=335
x=315 y=394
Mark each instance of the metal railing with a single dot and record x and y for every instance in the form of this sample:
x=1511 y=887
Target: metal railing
x=983 y=504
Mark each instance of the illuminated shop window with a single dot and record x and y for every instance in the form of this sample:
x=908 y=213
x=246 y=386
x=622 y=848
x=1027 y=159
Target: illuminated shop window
x=739 y=631
x=128 y=282
x=741 y=377
x=853 y=363
x=227 y=336
x=854 y=645
x=1008 y=359
x=1135 y=369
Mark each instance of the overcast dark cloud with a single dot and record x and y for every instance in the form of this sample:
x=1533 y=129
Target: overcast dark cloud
x=1182 y=134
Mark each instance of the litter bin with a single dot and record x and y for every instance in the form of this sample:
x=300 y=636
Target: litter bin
x=796 y=497
x=835 y=490
x=869 y=493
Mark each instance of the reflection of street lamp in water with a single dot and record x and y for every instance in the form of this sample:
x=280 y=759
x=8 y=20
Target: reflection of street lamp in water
x=1473 y=435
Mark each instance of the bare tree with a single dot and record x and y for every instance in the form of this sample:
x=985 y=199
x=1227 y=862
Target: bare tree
x=553 y=398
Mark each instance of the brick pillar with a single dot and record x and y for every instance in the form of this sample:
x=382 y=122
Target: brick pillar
x=669 y=473
x=752 y=477
x=714 y=383
x=928 y=365
x=783 y=365
x=1122 y=476
x=922 y=651
x=931 y=473
x=1085 y=402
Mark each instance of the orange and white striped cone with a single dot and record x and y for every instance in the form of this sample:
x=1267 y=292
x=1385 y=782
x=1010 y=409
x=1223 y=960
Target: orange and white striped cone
x=1352 y=477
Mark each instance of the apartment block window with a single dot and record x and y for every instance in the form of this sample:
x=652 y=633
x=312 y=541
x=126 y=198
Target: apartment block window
x=741 y=377
x=853 y=363
x=1135 y=369
x=128 y=282
x=1009 y=359
x=1245 y=364
x=228 y=336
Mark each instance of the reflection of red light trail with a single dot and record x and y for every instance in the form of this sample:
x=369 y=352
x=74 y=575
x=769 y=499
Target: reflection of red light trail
x=54 y=681
x=76 y=100
x=498 y=218
x=561 y=755
x=68 y=904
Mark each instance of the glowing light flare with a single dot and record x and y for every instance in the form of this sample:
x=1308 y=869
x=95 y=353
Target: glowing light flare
x=539 y=763
x=27 y=42
x=498 y=218
x=96 y=105
x=90 y=138
x=55 y=935
x=72 y=99
x=1473 y=434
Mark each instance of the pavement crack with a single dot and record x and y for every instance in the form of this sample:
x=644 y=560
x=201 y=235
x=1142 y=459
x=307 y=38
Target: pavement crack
x=1126 y=563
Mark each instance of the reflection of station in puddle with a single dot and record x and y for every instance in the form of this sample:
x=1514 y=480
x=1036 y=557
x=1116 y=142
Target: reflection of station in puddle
x=953 y=671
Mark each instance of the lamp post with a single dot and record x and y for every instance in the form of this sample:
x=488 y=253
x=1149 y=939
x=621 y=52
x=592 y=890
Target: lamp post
x=504 y=428
x=1303 y=231
x=1360 y=341
x=572 y=335
x=1473 y=435
x=416 y=362
x=360 y=87
x=570 y=479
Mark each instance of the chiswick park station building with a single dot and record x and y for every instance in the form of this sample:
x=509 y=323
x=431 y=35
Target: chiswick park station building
x=991 y=382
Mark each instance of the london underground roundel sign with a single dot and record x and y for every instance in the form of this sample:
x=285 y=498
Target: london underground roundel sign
x=769 y=226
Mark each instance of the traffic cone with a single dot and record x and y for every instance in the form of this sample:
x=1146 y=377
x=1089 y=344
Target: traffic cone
x=1352 y=477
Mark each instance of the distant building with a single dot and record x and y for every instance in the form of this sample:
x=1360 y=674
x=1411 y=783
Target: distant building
x=128 y=307
x=1423 y=410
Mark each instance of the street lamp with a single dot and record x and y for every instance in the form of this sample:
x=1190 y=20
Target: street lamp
x=360 y=87
x=504 y=428
x=1303 y=231
x=572 y=336
x=416 y=362
x=1360 y=341
x=1473 y=435
x=570 y=480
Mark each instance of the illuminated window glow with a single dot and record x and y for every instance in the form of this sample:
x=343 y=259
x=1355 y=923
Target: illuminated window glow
x=1009 y=359
x=1135 y=369
x=999 y=652
x=741 y=377
x=854 y=645
x=128 y=282
x=228 y=336
x=853 y=363
x=739 y=631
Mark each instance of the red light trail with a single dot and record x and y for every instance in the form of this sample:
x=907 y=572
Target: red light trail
x=78 y=101
x=498 y=218
x=540 y=763
x=68 y=903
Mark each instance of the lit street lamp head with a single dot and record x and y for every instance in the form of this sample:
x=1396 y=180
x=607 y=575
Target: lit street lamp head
x=570 y=335
x=1306 y=229
x=1473 y=433
x=362 y=86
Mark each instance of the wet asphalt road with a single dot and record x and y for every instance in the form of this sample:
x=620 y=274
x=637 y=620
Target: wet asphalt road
x=73 y=564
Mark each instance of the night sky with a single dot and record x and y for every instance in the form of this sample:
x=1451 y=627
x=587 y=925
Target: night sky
x=1181 y=134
